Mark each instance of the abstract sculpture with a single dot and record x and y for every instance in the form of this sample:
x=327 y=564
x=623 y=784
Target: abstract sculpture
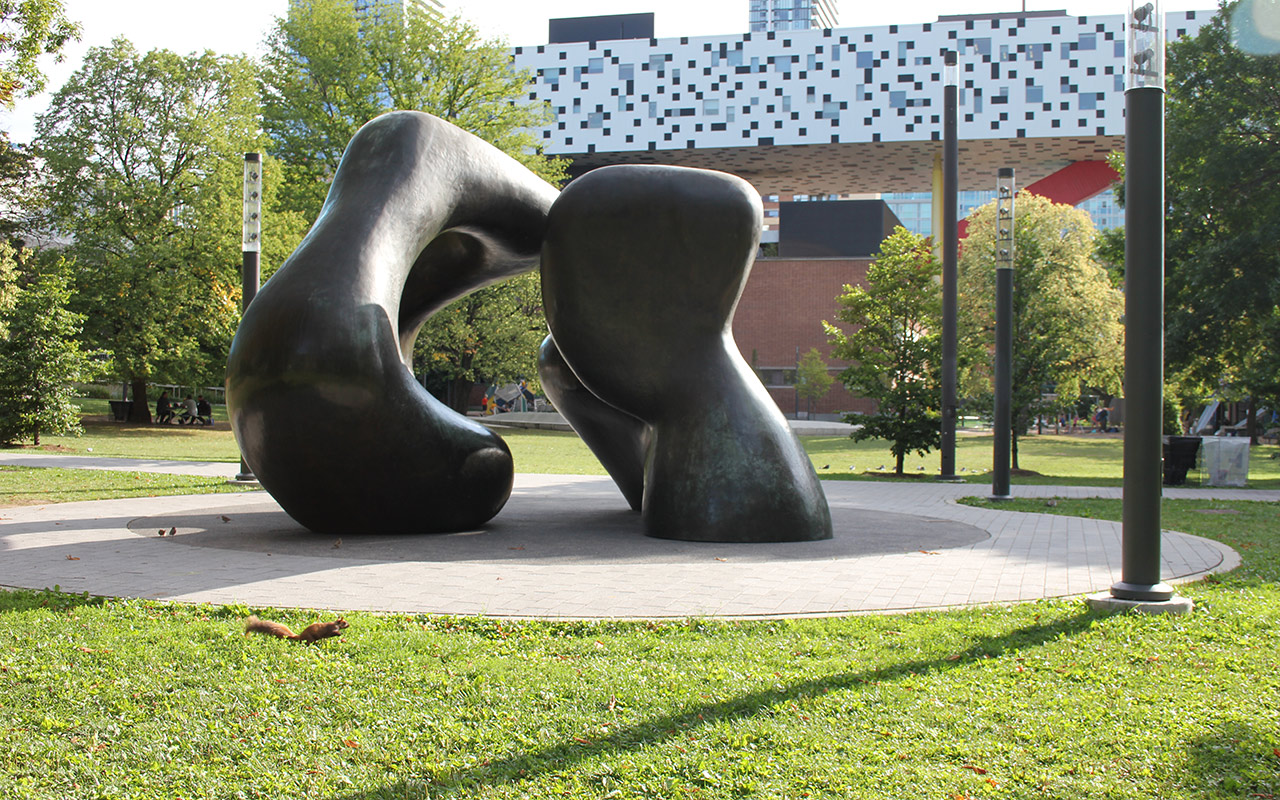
x=324 y=407
x=642 y=269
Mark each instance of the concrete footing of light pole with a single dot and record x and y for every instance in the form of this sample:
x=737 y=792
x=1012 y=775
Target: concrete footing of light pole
x=1105 y=601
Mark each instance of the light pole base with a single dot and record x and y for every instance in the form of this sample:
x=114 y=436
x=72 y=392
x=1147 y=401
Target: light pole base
x=997 y=498
x=1153 y=592
x=1106 y=601
x=244 y=479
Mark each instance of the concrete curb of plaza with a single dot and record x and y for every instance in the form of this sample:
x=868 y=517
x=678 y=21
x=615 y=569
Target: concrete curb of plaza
x=1015 y=557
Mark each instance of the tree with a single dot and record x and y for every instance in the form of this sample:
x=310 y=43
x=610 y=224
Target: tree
x=1067 y=334
x=40 y=358
x=28 y=30
x=143 y=163
x=1222 y=163
x=8 y=285
x=812 y=378
x=328 y=70
x=489 y=336
x=896 y=349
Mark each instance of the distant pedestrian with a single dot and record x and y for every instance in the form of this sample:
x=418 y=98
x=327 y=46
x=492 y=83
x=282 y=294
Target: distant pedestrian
x=164 y=409
x=204 y=411
x=189 y=411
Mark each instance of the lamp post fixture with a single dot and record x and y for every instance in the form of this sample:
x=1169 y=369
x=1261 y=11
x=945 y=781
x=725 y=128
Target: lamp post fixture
x=1143 y=305
x=950 y=243
x=251 y=247
x=1004 y=335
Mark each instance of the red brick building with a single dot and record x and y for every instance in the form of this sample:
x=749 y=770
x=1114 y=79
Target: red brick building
x=780 y=315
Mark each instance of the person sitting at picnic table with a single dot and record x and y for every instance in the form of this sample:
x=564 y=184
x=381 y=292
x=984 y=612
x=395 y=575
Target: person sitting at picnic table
x=164 y=410
x=204 y=411
x=188 y=411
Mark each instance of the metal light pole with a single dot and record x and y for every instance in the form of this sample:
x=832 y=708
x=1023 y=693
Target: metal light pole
x=251 y=246
x=950 y=243
x=1144 y=304
x=1004 y=334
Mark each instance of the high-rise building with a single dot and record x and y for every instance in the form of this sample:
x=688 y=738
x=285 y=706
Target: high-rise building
x=791 y=15
x=377 y=9
x=381 y=9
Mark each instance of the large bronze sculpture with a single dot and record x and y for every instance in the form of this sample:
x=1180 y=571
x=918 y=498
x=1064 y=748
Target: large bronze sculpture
x=321 y=399
x=642 y=270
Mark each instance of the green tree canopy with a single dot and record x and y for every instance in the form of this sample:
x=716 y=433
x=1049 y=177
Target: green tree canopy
x=329 y=70
x=813 y=380
x=1223 y=263
x=30 y=29
x=143 y=169
x=1067 y=335
x=489 y=336
x=896 y=346
x=40 y=357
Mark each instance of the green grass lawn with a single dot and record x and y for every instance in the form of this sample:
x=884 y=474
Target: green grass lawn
x=135 y=699
x=1047 y=459
x=23 y=486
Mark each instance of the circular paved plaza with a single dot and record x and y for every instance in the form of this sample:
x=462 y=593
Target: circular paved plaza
x=567 y=547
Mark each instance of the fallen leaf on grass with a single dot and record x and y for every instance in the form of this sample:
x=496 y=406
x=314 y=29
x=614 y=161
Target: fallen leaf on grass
x=975 y=770
x=580 y=740
x=350 y=742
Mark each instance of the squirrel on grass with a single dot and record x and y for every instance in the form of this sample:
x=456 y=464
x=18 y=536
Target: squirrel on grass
x=312 y=633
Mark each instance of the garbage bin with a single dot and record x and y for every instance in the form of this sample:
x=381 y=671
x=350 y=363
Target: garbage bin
x=120 y=409
x=1226 y=460
x=1179 y=457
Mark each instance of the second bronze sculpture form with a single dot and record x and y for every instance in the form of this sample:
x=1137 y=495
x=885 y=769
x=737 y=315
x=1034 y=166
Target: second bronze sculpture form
x=642 y=267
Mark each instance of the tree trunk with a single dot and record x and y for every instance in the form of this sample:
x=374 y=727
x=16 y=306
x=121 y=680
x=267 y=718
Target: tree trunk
x=140 y=411
x=898 y=469
x=1251 y=426
x=1013 y=448
x=459 y=395
x=35 y=435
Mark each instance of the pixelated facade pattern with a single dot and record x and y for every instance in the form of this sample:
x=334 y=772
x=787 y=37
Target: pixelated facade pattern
x=798 y=96
x=1022 y=76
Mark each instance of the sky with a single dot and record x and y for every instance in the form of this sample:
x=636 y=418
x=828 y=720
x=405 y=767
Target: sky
x=240 y=26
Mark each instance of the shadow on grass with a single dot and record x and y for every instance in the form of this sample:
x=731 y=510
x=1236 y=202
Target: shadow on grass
x=1235 y=760
x=525 y=766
